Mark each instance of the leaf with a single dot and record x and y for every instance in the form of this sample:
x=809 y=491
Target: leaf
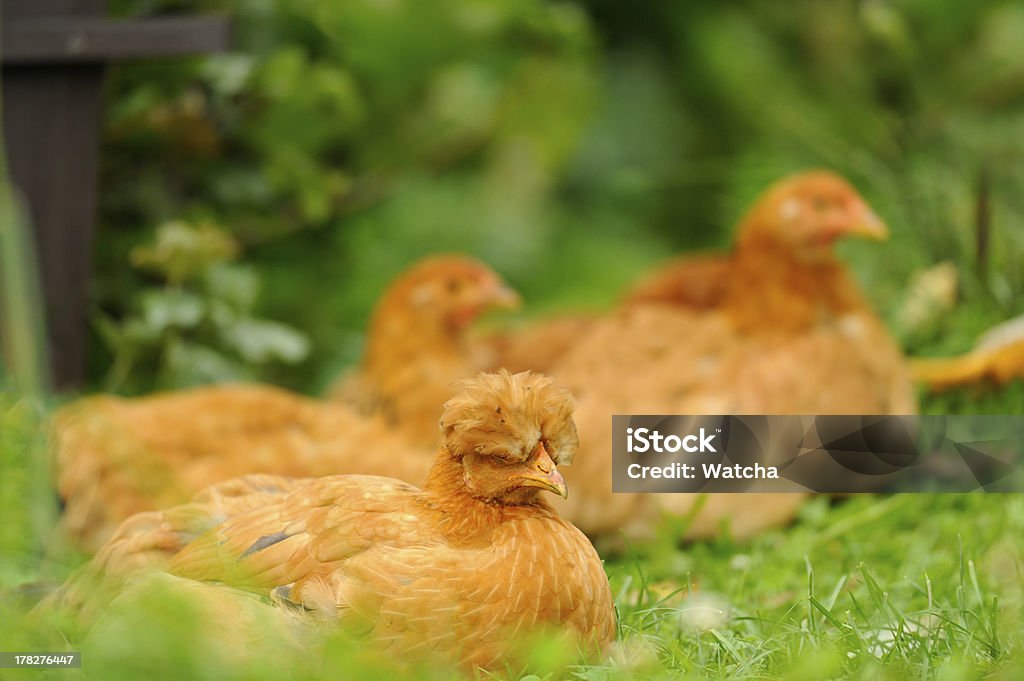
x=170 y=308
x=190 y=364
x=183 y=250
x=260 y=341
x=229 y=74
x=236 y=285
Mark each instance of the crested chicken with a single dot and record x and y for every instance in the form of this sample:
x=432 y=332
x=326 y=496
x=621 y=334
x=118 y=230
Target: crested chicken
x=457 y=571
x=998 y=356
x=118 y=456
x=416 y=343
x=785 y=331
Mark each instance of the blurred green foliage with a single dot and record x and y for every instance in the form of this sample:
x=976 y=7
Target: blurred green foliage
x=198 y=326
x=571 y=145
x=18 y=445
x=341 y=141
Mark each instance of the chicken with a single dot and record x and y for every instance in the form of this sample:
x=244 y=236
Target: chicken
x=998 y=356
x=460 y=569
x=795 y=222
x=819 y=203
x=116 y=456
x=791 y=334
x=416 y=343
x=690 y=281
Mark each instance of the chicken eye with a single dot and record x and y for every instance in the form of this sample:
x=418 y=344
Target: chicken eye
x=505 y=458
x=454 y=285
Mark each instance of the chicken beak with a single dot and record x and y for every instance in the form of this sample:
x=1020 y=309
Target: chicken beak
x=497 y=296
x=867 y=226
x=505 y=298
x=544 y=474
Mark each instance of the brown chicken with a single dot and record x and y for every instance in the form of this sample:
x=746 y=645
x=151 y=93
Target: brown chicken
x=416 y=344
x=791 y=334
x=998 y=357
x=800 y=215
x=116 y=456
x=814 y=206
x=460 y=569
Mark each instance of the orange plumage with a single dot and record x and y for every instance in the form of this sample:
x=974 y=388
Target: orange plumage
x=416 y=343
x=690 y=281
x=117 y=456
x=779 y=276
x=790 y=334
x=534 y=347
x=457 y=570
x=783 y=242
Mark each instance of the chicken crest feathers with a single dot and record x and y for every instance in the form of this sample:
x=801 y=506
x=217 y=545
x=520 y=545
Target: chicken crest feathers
x=504 y=415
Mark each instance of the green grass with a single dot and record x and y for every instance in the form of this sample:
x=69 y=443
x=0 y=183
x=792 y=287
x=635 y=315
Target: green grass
x=902 y=587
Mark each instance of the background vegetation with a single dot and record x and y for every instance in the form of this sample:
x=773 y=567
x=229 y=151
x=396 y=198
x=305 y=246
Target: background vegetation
x=571 y=145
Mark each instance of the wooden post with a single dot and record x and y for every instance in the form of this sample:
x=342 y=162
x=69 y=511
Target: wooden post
x=54 y=54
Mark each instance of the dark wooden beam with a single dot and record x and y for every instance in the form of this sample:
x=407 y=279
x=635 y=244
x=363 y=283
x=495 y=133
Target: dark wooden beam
x=25 y=8
x=71 y=39
x=51 y=122
x=51 y=119
x=54 y=54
